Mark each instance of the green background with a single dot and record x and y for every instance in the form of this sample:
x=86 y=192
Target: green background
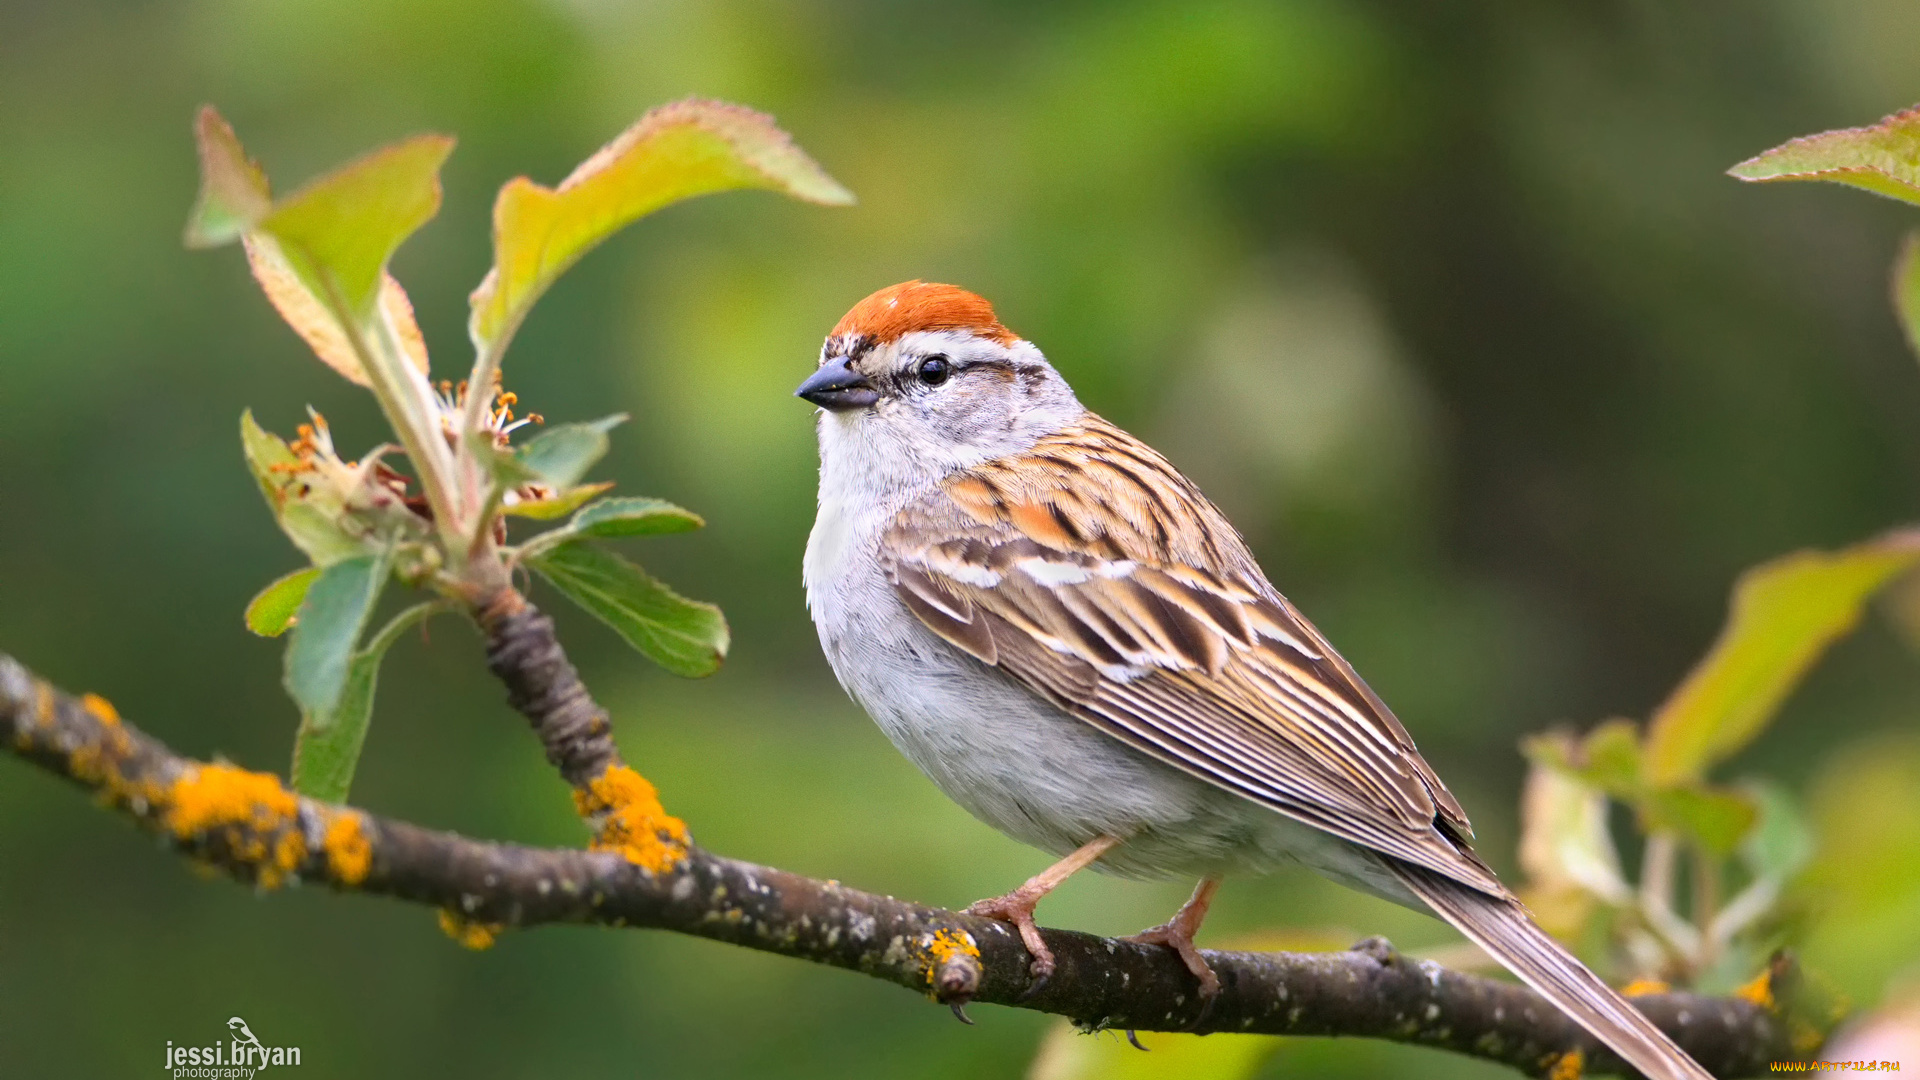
x=1449 y=306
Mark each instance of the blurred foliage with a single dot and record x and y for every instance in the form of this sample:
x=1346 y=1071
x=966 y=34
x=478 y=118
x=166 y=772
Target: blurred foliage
x=1450 y=307
x=1784 y=615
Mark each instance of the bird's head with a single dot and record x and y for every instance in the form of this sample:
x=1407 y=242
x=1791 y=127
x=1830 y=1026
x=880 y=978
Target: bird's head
x=923 y=378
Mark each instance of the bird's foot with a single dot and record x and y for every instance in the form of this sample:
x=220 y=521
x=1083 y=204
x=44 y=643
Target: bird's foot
x=1177 y=934
x=1016 y=908
x=1179 y=938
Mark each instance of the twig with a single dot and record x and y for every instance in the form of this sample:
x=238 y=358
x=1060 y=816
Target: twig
x=543 y=685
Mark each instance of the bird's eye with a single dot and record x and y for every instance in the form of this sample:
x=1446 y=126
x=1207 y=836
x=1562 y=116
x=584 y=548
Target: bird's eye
x=934 y=370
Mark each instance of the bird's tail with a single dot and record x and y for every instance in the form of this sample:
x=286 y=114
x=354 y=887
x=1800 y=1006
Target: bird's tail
x=1502 y=927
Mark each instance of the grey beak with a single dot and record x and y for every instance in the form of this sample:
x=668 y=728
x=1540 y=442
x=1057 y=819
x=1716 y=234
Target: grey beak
x=838 y=387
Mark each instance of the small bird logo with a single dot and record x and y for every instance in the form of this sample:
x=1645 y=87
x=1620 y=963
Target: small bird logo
x=243 y=1035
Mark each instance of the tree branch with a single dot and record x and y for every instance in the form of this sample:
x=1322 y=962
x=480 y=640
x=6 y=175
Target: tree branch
x=251 y=826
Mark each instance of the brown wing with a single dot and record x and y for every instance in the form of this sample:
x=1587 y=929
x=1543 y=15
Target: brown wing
x=1093 y=572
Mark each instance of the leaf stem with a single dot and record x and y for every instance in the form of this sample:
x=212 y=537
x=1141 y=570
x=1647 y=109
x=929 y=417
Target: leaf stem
x=388 y=376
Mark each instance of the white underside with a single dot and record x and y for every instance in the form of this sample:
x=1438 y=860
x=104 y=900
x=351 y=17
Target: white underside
x=1040 y=775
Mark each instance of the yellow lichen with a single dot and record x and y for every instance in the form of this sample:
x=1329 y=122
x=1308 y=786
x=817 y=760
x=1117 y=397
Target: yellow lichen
x=1759 y=991
x=946 y=945
x=252 y=812
x=631 y=820
x=1640 y=987
x=349 y=851
x=470 y=933
x=1572 y=1065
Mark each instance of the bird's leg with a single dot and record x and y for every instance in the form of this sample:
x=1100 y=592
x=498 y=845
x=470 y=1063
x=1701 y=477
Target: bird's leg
x=1177 y=934
x=1017 y=906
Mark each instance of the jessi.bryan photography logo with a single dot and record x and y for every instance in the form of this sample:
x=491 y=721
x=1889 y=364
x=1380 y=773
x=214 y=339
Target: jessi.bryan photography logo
x=238 y=1057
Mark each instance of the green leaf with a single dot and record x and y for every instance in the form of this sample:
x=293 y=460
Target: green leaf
x=314 y=320
x=338 y=232
x=634 y=516
x=1715 y=818
x=558 y=506
x=1067 y=1054
x=268 y=458
x=1906 y=289
x=1784 y=615
x=1781 y=842
x=294 y=266
x=1564 y=839
x=312 y=525
x=684 y=636
x=327 y=749
x=562 y=454
x=233 y=190
x=332 y=616
x=1609 y=758
x=1611 y=752
x=271 y=611
x=1883 y=158
x=675 y=152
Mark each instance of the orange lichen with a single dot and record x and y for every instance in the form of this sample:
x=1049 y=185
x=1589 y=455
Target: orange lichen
x=1572 y=1065
x=1639 y=987
x=256 y=817
x=1759 y=991
x=470 y=933
x=946 y=945
x=101 y=708
x=349 y=851
x=631 y=821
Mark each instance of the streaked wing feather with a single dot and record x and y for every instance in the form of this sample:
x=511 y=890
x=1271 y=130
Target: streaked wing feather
x=1090 y=570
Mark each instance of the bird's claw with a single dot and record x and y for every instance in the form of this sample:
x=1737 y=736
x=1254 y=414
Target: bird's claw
x=1016 y=909
x=1179 y=938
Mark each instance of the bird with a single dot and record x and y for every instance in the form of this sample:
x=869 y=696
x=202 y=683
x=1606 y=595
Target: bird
x=1053 y=623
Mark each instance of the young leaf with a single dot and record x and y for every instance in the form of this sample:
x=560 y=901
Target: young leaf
x=268 y=458
x=1564 y=840
x=684 y=636
x=271 y=611
x=1784 y=615
x=1906 y=289
x=634 y=516
x=1613 y=759
x=327 y=748
x=311 y=525
x=233 y=190
x=562 y=454
x=1716 y=819
x=332 y=616
x=1781 y=841
x=315 y=323
x=675 y=152
x=1883 y=158
x=557 y=506
x=338 y=232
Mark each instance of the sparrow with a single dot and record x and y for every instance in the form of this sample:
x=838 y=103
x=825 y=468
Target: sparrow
x=1076 y=646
